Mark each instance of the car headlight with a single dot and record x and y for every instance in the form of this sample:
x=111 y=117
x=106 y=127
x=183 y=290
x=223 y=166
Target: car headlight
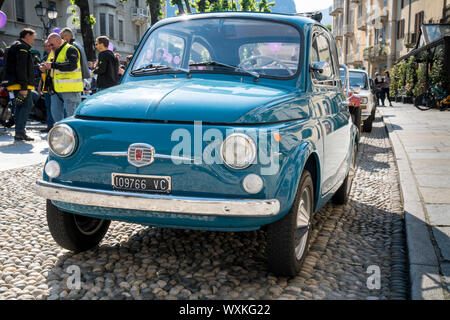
x=238 y=151
x=364 y=100
x=62 y=140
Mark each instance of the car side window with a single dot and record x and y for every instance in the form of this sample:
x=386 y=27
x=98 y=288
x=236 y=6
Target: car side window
x=320 y=52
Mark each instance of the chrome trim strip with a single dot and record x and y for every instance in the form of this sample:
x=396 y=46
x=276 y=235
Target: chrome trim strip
x=125 y=154
x=158 y=202
x=111 y=154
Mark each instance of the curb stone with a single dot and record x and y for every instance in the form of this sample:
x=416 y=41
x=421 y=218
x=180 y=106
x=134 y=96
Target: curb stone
x=424 y=274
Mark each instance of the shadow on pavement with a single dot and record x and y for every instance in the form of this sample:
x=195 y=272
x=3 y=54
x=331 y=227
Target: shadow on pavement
x=426 y=272
x=222 y=265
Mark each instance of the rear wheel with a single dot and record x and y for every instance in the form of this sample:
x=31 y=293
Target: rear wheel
x=356 y=117
x=367 y=124
x=425 y=101
x=75 y=232
x=288 y=238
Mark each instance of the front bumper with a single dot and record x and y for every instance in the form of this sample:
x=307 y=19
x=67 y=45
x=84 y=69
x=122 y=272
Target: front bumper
x=158 y=202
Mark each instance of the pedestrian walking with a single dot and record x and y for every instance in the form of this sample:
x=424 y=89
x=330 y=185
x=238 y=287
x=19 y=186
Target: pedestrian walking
x=46 y=85
x=18 y=74
x=379 y=82
x=386 y=85
x=67 y=77
x=107 y=65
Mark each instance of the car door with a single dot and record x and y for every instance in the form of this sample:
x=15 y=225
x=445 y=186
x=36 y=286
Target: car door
x=334 y=115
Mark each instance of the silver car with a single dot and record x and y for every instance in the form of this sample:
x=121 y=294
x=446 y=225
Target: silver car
x=360 y=85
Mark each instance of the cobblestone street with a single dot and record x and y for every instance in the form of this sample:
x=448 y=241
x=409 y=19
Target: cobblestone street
x=138 y=262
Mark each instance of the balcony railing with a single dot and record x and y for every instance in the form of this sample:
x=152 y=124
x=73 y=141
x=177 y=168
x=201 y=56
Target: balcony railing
x=140 y=15
x=337 y=8
x=410 y=39
x=384 y=14
x=348 y=30
x=350 y=58
x=367 y=52
x=362 y=23
x=107 y=3
x=338 y=32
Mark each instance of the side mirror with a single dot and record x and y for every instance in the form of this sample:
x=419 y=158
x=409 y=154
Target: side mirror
x=322 y=70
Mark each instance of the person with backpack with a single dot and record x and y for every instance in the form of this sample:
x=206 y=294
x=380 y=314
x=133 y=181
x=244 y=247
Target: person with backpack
x=18 y=75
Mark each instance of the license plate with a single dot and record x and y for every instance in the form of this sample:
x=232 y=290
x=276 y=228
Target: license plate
x=141 y=183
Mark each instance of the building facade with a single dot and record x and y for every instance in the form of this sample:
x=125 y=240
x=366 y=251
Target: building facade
x=124 y=23
x=373 y=34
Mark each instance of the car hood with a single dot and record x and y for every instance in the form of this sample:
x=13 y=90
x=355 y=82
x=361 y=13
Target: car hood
x=185 y=100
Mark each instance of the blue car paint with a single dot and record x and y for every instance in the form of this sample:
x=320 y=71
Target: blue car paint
x=134 y=111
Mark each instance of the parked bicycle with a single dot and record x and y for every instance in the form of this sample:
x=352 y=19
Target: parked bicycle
x=433 y=97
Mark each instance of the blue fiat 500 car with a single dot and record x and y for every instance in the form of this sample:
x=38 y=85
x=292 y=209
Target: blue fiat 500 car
x=224 y=121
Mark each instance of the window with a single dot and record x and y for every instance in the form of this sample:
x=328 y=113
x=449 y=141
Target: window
x=401 y=29
x=20 y=10
x=419 y=18
x=102 y=24
x=138 y=34
x=270 y=49
x=358 y=80
x=136 y=3
x=120 y=30
x=320 y=51
x=199 y=53
x=163 y=49
x=111 y=26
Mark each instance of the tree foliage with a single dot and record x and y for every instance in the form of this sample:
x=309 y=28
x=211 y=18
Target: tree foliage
x=230 y=5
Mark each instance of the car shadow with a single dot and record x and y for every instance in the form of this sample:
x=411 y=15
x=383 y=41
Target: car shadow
x=368 y=154
x=232 y=265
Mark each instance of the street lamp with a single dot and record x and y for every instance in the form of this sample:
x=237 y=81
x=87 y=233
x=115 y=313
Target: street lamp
x=42 y=11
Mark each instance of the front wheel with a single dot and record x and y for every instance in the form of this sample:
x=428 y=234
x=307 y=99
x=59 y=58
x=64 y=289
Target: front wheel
x=74 y=232
x=288 y=238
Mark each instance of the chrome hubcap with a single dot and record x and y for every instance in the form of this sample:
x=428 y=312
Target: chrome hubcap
x=303 y=223
x=87 y=225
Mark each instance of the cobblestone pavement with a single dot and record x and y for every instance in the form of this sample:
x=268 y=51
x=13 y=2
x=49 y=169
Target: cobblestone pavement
x=137 y=262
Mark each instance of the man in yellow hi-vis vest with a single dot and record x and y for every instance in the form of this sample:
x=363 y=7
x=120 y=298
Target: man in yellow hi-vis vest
x=67 y=78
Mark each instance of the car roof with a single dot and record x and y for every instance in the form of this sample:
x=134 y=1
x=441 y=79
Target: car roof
x=357 y=70
x=296 y=19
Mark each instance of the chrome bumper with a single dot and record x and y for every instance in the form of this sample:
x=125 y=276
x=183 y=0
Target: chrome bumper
x=158 y=202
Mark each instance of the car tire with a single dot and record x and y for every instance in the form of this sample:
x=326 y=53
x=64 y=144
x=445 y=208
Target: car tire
x=75 y=232
x=342 y=194
x=356 y=117
x=367 y=125
x=288 y=238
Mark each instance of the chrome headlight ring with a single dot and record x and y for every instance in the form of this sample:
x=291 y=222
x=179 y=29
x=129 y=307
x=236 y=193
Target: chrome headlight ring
x=232 y=148
x=62 y=140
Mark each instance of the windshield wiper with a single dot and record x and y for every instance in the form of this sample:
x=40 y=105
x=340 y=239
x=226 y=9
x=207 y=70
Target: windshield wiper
x=157 y=67
x=220 y=64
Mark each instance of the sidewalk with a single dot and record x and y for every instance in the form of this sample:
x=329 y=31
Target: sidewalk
x=23 y=153
x=421 y=143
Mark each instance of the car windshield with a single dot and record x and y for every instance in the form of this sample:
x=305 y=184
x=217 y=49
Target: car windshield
x=230 y=45
x=358 y=80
